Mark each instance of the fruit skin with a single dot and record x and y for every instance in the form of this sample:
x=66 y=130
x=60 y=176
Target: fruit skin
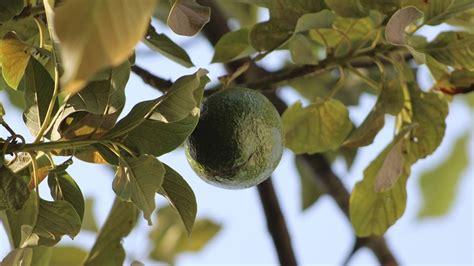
x=238 y=141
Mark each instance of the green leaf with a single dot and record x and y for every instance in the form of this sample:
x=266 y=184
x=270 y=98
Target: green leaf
x=302 y=51
x=183 y=98
x=2 y=112
x=439 y=185
x=438 y=11
x=170 y=239
x=63 y=187
x=157 y=138
x=372 y=212
x=42 y=256
x=67 y=255
x=351 y=8
x=39 y=89
x=284 y=15
x=89 y=223
x=464 y=19
x=455 y=49
x=56 y=219
x=19 y=256
x=19 y=224
x=311 y=190
x=137 y=180
x=107 y=249
x=390 y=101
x=245 y=13
x=94 y=110
x=187 y=17
x=10 y=8
x=181 y=197
x=86 y=28
x=13 y=190
x=429 y=111
x=232 y=46
x=164 y=45
x=13 y=59
x=321 y=19
x=321 y=126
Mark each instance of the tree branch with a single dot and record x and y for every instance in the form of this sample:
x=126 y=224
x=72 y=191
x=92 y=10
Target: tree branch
x=276 y=223
x=156 y=82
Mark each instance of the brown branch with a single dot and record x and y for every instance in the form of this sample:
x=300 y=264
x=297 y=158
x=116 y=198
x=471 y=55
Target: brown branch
x=456 y=90
x=276 y=223
x=335 y=188
x=156 y=82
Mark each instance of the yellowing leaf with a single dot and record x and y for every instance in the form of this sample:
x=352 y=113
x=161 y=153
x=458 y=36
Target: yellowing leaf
x=322 y=126
x=455 y=49
x=170 y=239
x=233 y=45
x=438 y=185
x=14 y=58
x=372 y=212
x=188 y=17
x=95 y=34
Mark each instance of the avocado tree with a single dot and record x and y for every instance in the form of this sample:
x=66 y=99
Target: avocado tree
x=66 y=64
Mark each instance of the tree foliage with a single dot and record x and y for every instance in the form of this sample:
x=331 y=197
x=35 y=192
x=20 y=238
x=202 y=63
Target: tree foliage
x=66 y=64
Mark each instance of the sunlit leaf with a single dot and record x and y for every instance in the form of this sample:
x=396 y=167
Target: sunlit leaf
x=14 y=59
x=94 y=110
x=439 y=184
x=182 y=98
x=86 y=28
x=321 y=126
x=187 y=17
x=137 y=180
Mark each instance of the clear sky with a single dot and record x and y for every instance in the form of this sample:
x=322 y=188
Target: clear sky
x=321 y=235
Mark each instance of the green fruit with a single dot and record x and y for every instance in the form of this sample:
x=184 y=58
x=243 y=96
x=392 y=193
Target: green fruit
x=238 y=141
